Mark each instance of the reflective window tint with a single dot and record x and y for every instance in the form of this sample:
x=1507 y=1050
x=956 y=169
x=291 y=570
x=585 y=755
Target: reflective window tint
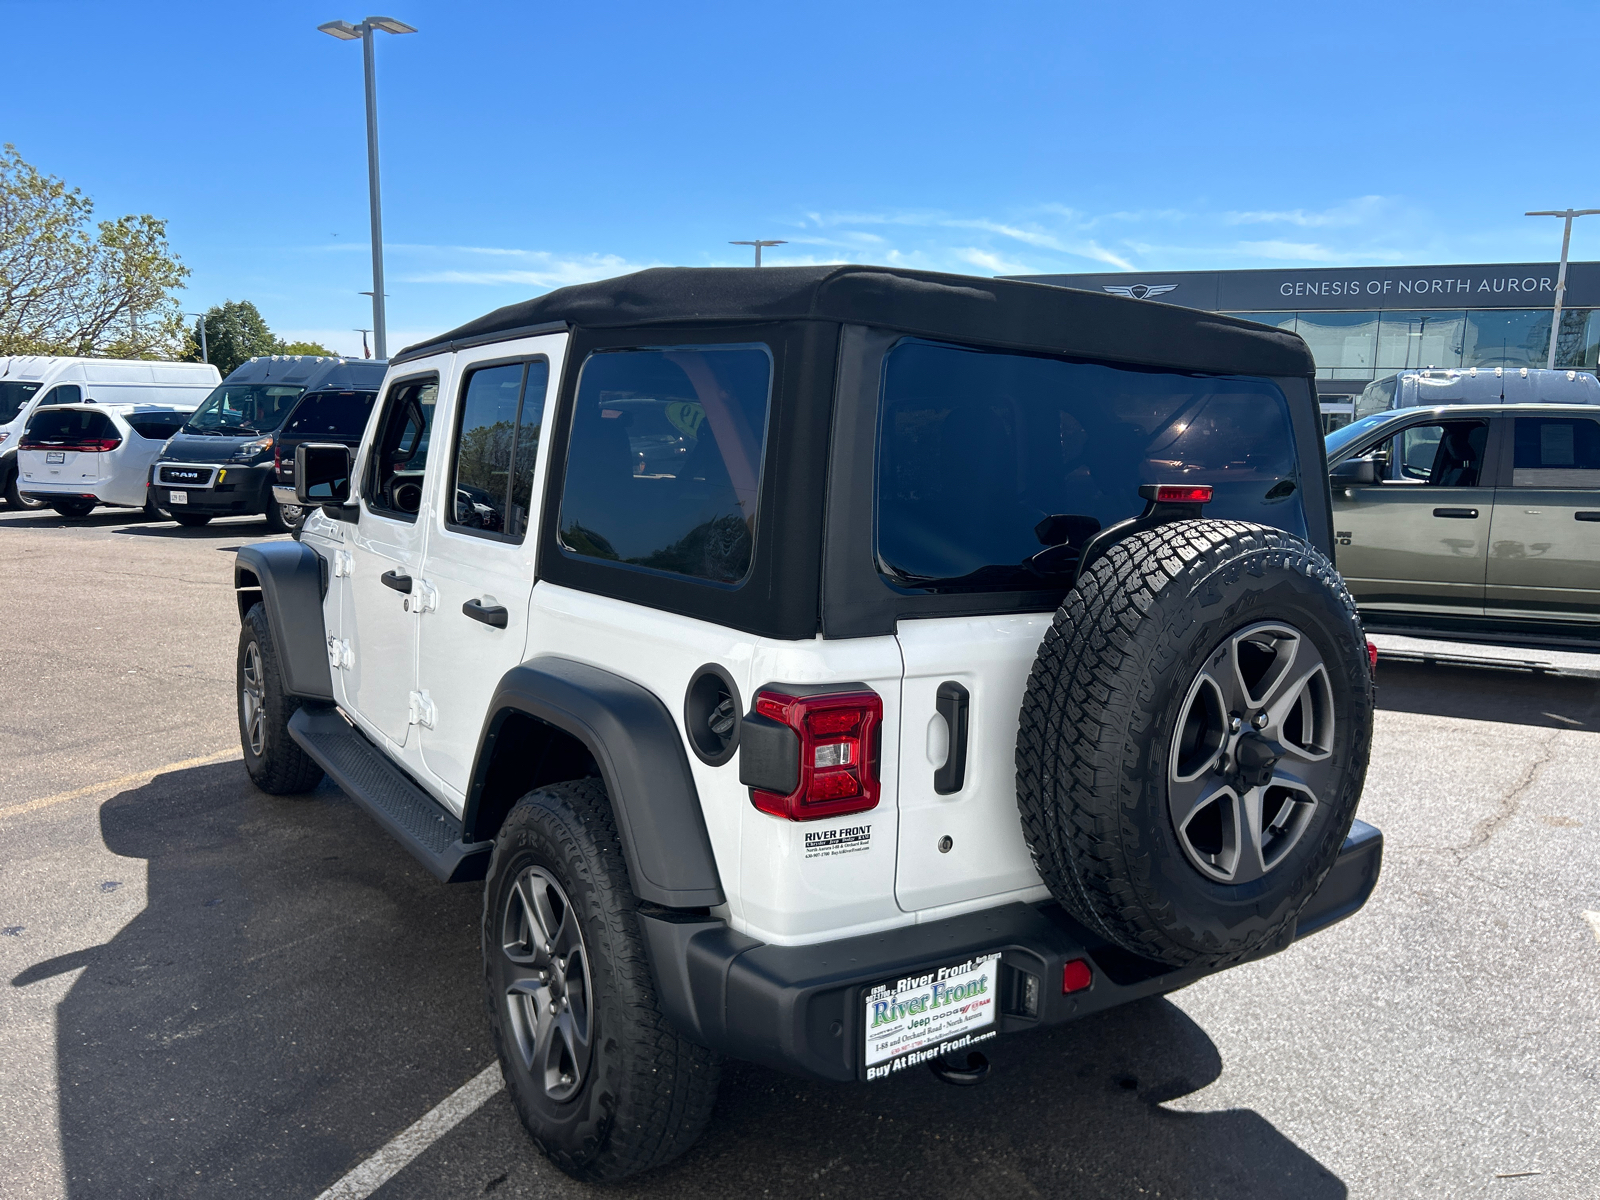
x=1420 y=339
x=1556 y=452
x=664 y=461
x=483 y=449
x=1344 y=344
x=977 y=449
x=399 y=457
x=527 y=447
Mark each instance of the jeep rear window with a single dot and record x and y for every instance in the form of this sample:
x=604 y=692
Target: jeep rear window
x=976 y=449
x=664 y=459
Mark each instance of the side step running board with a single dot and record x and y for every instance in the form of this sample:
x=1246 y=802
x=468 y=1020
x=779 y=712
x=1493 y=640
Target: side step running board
x=422 y=825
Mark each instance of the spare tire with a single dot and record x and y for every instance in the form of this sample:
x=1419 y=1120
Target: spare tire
x=1194 y=739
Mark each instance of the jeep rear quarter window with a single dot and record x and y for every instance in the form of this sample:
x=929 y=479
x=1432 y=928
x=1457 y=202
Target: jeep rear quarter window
x=664 y=459
x=976 y=448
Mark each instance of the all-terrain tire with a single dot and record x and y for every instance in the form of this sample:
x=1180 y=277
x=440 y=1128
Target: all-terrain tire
x=276 y=763
x=191 y=520
x=646 y=1093
x=1099 y=723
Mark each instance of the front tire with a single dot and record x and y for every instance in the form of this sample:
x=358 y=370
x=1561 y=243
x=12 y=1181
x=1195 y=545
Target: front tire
x=284 y=518
x=606 y=1087
x=274 y=760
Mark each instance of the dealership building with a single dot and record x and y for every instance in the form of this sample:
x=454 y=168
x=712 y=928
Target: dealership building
x=1367 y=323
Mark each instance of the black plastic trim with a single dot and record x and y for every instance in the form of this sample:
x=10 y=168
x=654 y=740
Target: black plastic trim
x=798 y=1008
x=290 y=578
x=639 y=750
x=696 y=715
x=952 y=702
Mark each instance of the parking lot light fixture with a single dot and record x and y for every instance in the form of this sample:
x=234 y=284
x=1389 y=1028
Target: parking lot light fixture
x=346 y=32
x=760 y=242
x=1561 y=273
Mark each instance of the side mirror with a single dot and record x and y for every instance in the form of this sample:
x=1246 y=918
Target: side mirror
x=1354 y=472
x=322 y=474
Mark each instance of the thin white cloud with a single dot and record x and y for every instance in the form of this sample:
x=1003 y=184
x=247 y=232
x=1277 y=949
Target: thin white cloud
x=1351 y=213
x=992 y=263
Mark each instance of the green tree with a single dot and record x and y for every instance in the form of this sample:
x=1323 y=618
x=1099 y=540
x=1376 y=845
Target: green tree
x=235 y=333
x=71 y=286
x=305 y=348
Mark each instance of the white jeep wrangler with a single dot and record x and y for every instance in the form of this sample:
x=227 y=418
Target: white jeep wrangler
x=832 y=668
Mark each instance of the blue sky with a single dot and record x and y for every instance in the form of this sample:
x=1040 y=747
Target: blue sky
x=530 y=145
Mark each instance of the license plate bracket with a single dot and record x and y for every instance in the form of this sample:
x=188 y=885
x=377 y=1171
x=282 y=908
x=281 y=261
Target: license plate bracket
x=917 y=1017
x=55 y=456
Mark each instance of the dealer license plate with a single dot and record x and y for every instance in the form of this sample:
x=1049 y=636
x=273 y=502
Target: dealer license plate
x=177 y=497
x=55 y=456
x=911 y=1020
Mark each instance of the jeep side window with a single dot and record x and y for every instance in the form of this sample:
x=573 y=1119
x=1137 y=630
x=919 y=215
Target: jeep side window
x=664 y=459
x=400 y=452
x=497 y=441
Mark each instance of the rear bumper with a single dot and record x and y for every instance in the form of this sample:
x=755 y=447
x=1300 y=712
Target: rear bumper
x=285 y=495
x=801 y=1008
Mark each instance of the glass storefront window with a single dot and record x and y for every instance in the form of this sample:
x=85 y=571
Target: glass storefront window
x=1344 y=344
x=1509 y=338
x=1420 y=339
x=1282 y=320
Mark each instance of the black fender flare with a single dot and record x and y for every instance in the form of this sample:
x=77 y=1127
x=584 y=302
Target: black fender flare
x=290 y=577
x=637 y=746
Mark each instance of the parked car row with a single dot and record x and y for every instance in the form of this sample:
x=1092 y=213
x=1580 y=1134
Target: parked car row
x=169 y=437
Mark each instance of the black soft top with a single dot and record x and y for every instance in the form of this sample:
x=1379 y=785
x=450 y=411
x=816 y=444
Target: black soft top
x=961 y=308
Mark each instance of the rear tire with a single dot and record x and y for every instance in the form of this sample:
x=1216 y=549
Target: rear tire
x=191 y=520
x=17 y=500
x=74 y=509
x=606 y=1087
x=284 y=518
x=274 y=760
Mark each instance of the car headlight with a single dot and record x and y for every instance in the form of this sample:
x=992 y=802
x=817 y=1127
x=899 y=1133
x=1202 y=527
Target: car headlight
x=251 y=450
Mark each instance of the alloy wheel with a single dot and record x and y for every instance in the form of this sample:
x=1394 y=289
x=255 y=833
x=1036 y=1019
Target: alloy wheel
x=545 y=974
x=252 y=700
x=1252 y=752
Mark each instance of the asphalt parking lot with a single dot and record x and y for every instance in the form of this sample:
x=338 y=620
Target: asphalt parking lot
x=207 y=991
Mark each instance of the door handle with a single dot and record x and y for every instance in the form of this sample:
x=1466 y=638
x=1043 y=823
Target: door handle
x=1586 y=516
x=397 y=581
x=1465 y=514
x=489 y=614
x=951 y=704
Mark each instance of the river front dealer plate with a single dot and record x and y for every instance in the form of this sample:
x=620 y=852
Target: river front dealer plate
x=913 y=1019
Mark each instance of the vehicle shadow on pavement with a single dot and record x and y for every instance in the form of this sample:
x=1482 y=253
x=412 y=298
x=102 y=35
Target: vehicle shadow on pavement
x=297 y=991
x=1489 y=694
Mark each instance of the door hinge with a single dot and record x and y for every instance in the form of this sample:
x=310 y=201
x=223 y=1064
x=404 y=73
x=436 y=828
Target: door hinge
x=422 y=710
x=342 y=563
x=340 y=656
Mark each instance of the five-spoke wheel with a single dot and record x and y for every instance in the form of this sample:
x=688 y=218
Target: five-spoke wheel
x=252 y=699
x=547 y=986
x=1252 y=752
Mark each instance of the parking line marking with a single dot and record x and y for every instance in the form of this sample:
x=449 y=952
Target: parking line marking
x=138 y=777
x=383 y=1166
x=1594 y=923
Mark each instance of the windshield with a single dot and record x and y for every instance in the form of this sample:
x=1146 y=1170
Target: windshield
x=243 y=408
x=1340 y=438
x=13 y=396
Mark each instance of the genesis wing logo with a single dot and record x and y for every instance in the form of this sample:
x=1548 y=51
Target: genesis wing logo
x=1140 y=291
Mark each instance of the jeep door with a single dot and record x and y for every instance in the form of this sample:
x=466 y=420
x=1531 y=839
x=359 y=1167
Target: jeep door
x=378 y=612
x=482 y=544
x=1544 y=555
x=1417 y=540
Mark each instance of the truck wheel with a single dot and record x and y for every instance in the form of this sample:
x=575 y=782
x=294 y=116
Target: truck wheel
x=604 y=1084
x=274 y=760
x=191 y=520
x=284 y=518
x=74 y=507
x=1194 y=739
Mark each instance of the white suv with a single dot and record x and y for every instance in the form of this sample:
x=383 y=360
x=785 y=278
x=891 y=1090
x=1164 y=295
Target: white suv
x=826 y=667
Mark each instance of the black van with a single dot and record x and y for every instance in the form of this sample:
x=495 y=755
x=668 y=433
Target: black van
x=221 y=463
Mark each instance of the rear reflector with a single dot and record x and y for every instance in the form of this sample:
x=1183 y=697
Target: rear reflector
x=1177 y=493
x=1372 y=658
x=838 y=762
x=1076 y=976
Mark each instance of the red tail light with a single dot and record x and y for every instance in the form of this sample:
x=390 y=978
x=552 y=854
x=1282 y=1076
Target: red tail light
x=1177 y=493
x=838 y=768
x=277 y=456
x=86 y=446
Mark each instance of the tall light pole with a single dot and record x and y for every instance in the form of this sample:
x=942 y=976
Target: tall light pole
x=347 y=32
x=1561 y=275
x=758 y=244
x=205 y=356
